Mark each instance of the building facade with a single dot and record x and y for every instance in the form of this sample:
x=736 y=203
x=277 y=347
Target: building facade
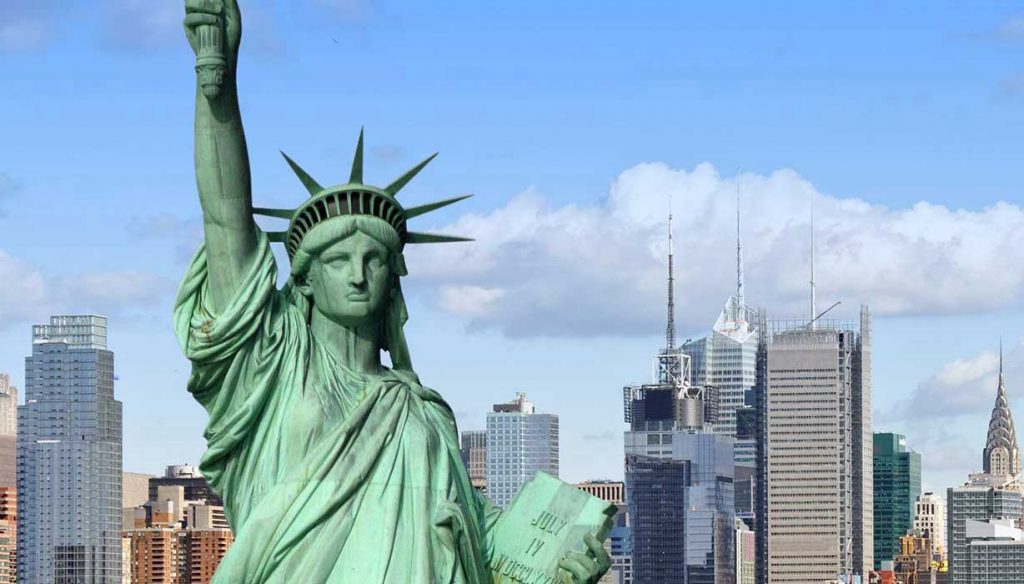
x=520 y=442
x=995 y=553
x=983 y=498
x=818 y=451
x=658 y=501
x=69 y=457
x=8 y=432
x=930 y=522
x=173 y=539
x=8 y=535
x=474 y=456
x=897 y=485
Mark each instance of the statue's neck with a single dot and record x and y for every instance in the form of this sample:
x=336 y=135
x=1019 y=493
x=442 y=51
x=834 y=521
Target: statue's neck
x=357 y=347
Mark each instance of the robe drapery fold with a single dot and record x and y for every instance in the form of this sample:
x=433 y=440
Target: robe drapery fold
x=327 y=475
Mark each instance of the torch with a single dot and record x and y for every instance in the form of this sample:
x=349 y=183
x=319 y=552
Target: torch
x=211 y=63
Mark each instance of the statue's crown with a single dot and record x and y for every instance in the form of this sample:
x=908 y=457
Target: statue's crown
x=354 y=198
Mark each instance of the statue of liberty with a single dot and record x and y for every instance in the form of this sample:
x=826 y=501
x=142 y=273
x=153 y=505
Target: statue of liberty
x=333 y=468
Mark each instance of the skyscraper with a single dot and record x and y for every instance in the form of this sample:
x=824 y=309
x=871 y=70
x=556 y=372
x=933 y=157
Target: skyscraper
x=520 y=442
x=897 y=485
x=993 y=497
x=817 y=436
x=930 y=522
x=1001 y=455
x=679 y=472
x=69 y=457
x=727 y=358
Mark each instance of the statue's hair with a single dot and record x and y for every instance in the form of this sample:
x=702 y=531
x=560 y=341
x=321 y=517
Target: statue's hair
x=337 y=229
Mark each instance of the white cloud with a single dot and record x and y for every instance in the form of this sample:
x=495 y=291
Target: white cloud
x=27 y=294
x=599 y=269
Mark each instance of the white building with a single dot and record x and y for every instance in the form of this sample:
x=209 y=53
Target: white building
x=520 y=442
x=930 y=522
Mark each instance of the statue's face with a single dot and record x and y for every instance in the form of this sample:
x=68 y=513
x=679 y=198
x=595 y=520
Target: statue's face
x=350 y=281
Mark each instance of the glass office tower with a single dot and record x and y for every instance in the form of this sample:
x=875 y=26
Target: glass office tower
x=69 y=457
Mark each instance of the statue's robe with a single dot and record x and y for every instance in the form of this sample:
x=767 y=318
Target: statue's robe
x=327 y=475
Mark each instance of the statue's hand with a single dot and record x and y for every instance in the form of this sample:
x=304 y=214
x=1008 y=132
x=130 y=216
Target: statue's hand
x=223 y=14
x=585 y=568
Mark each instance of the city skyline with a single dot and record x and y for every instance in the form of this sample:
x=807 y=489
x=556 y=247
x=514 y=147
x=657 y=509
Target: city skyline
x=940 y=191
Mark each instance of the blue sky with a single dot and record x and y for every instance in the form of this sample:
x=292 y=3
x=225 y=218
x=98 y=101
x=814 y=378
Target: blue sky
x=571 y=123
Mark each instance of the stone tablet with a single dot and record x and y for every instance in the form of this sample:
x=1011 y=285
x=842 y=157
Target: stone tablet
x=546 y=520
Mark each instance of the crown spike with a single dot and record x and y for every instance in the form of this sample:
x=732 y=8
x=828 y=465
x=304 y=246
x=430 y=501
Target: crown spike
x=414 y=237
x=277 y=236
x=311 y=185
x=356 y=177
x=393 y=188
x=430 y=207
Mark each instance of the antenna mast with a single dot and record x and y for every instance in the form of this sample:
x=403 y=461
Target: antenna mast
x=670 y=328
x=741 y=304
x=814 y=299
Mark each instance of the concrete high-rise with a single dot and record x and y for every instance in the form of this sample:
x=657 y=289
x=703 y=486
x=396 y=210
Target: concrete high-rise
x=897 y=485
x=174 y=540
x=817 y=484
x=520 y=442
x=69 y=457
x=983 y=498
x=930 y=522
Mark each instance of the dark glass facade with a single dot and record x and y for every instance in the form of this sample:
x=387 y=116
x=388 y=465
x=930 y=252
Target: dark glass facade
x=657 y=494
x=897 y=485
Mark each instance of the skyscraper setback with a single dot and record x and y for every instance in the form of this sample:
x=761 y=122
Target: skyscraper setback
x=69 y=457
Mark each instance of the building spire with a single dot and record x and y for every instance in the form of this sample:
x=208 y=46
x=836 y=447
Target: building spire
x=1001 y=455
x=1002 y=388
x=741 y=304
x=670 y=328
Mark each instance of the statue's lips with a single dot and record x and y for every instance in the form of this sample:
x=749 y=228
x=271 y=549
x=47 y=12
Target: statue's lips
x=357 y=297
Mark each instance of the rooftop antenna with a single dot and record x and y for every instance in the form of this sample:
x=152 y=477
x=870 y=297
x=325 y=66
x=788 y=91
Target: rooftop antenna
x=670 y=328
x=814 y=299
x=740 y=301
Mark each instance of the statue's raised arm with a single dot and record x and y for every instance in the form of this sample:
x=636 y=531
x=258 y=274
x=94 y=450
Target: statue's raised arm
x=214 y=30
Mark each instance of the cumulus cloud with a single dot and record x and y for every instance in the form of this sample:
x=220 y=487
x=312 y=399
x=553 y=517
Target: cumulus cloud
x=26 y=24
x=963 y=387
x=600 y=269
x=27 y=294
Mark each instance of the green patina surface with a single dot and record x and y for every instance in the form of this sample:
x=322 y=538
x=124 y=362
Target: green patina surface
x=333 y=467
